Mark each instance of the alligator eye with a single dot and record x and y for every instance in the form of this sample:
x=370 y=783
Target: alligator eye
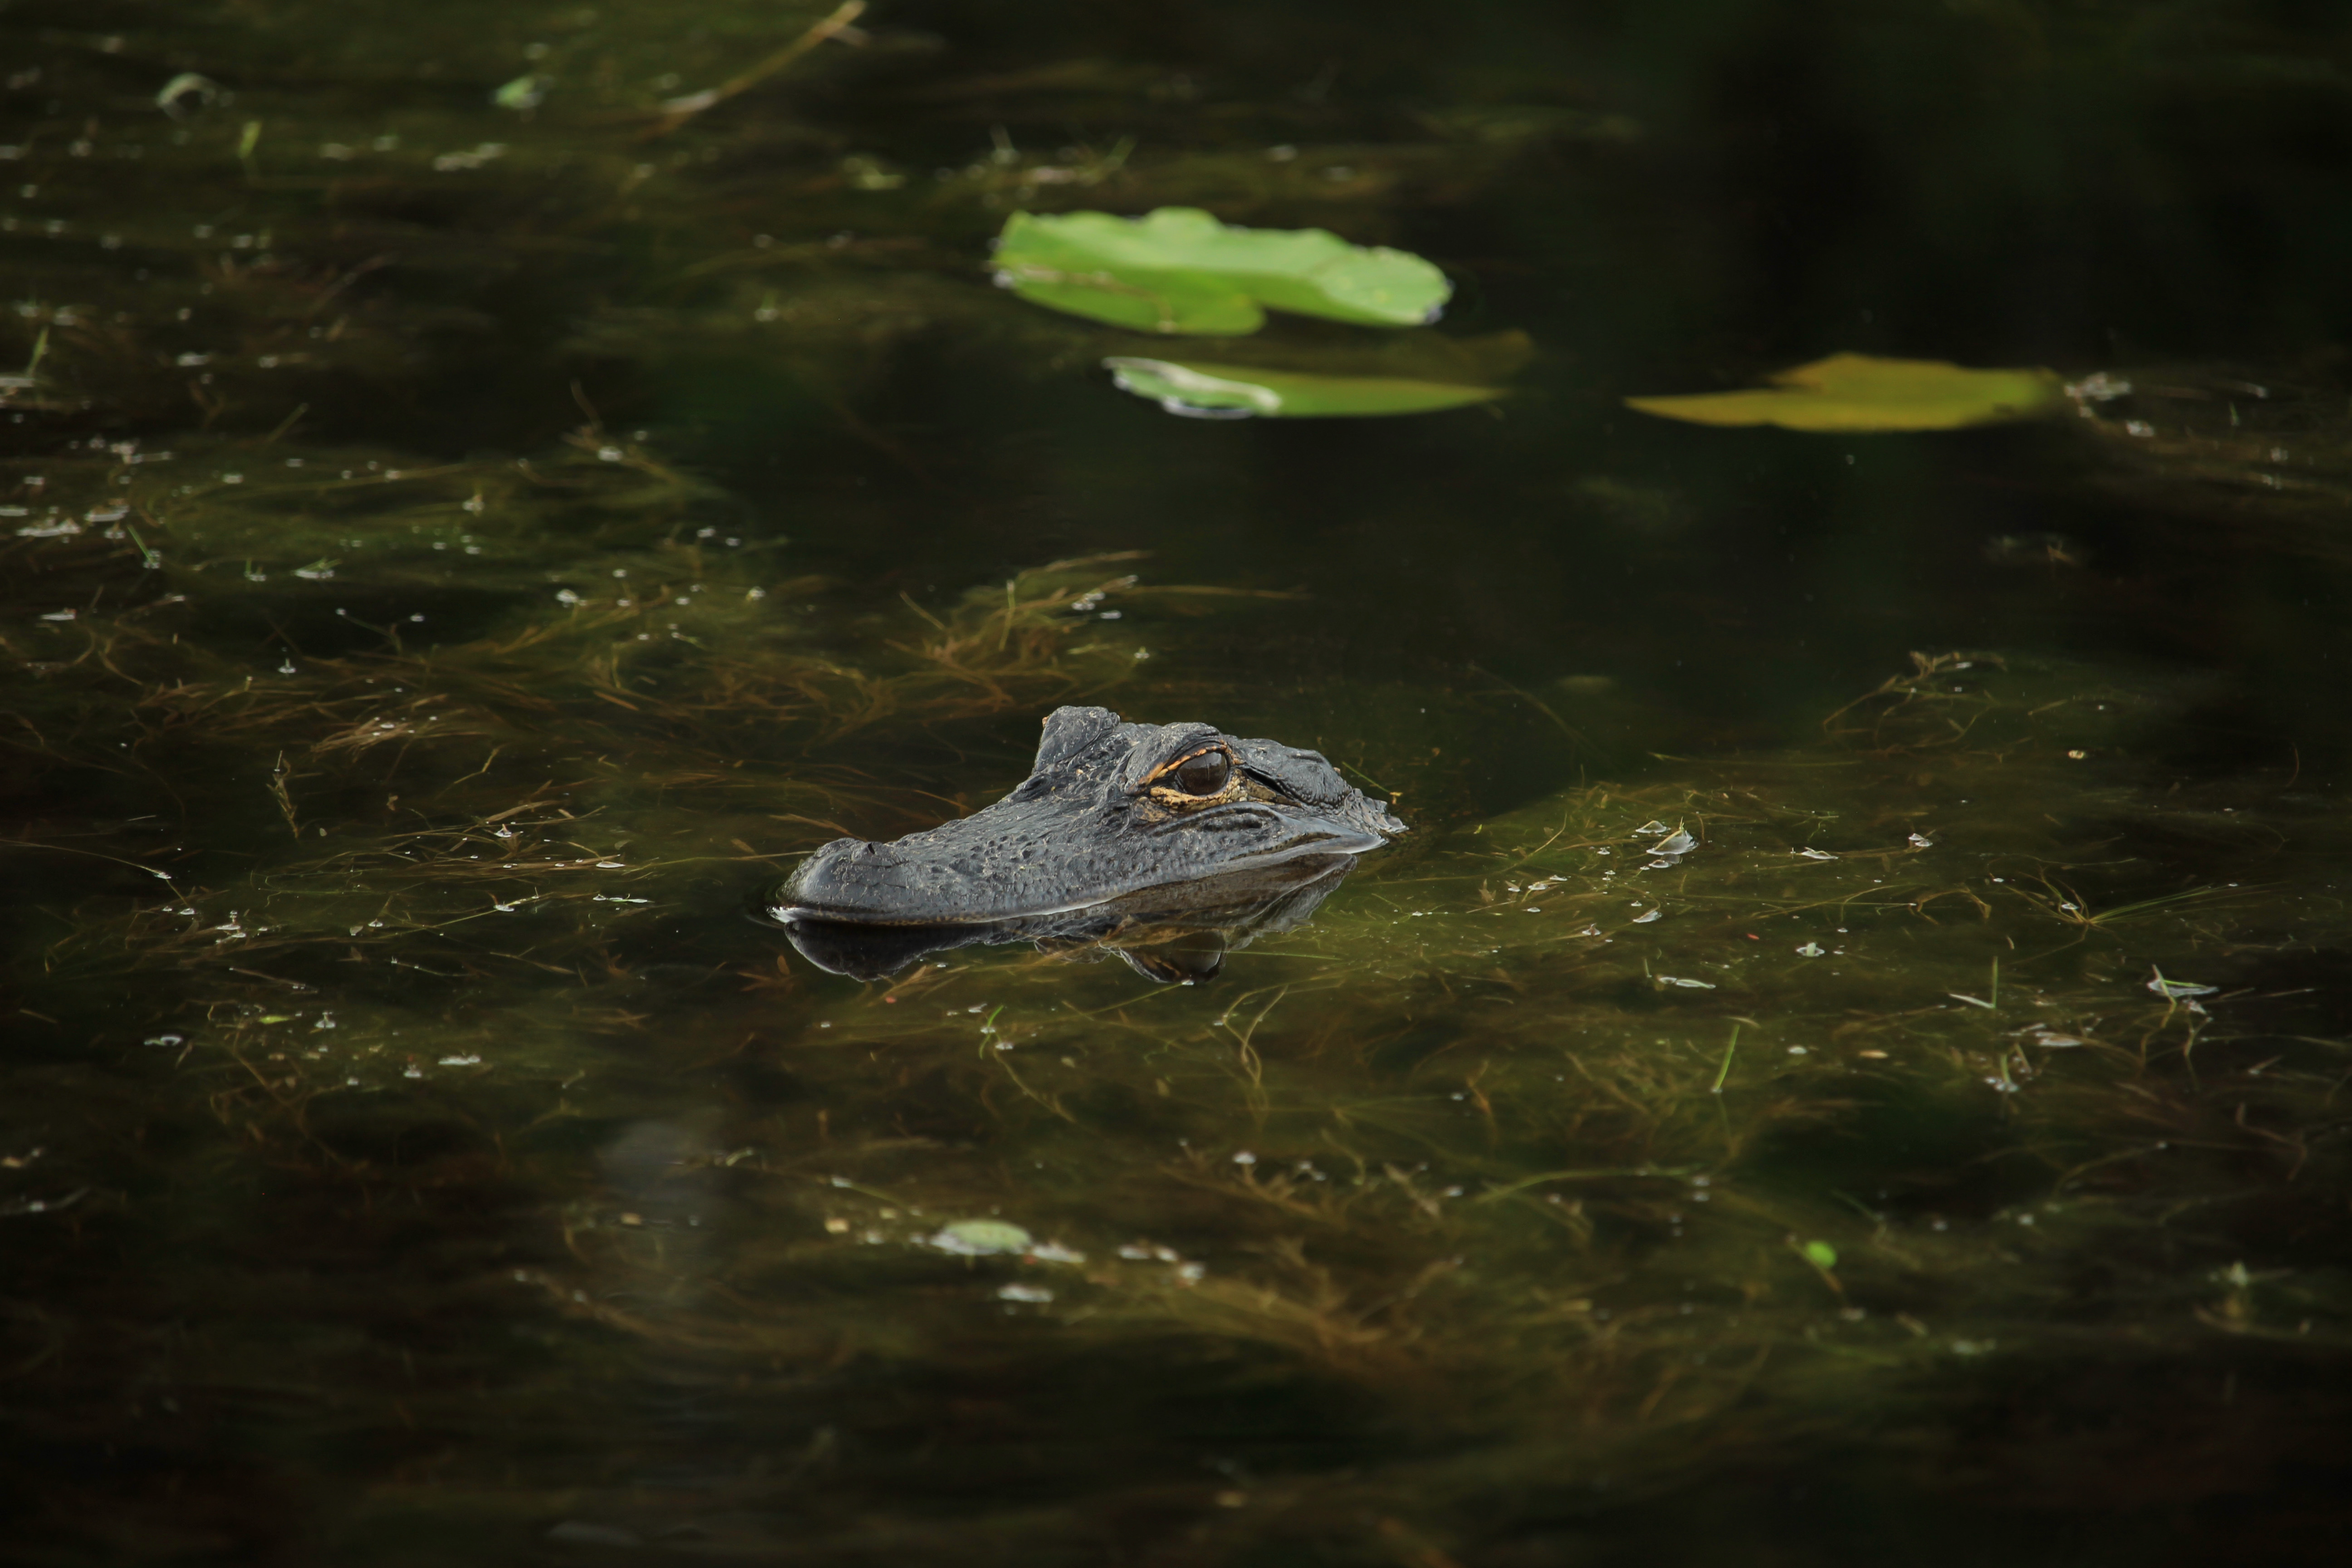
x=1204 y=774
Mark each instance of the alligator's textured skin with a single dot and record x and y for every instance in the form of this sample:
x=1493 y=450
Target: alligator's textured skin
x=1088 y=826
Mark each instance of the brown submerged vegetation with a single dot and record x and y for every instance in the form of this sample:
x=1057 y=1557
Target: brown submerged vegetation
x=1547 y=1145
x=410 y=1153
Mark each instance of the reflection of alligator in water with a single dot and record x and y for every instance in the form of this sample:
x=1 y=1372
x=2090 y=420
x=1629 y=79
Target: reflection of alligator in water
x=1118 y=829
x=1179 y=933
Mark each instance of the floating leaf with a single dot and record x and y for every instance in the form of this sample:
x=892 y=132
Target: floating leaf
x=982 y=1238
x=1859 y=393
x=523 y=92
x=1238 y=392
x=1179 y=270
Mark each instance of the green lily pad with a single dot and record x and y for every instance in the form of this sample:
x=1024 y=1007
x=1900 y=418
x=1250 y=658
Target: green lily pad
x=1240 y=392
x=1179 y=270
x=1859 y=393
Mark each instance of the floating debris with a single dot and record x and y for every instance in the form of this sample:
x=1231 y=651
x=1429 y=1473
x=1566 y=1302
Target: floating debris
x=175 y=95
x=2177 y=990
x=523 y=92
x=982 y=1238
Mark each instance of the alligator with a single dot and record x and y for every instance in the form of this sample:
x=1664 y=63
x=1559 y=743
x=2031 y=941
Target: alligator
x=1118 y=829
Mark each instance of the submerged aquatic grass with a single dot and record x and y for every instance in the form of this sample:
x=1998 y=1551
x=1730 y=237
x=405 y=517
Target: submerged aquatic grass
x=486 y=490
x=1554 y=1133
x=1471 y=1141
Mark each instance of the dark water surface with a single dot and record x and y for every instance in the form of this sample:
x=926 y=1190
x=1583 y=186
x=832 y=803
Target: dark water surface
x=456 y=554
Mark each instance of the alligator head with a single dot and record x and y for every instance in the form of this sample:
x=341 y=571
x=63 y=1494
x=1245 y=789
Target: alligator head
x=1110 y=809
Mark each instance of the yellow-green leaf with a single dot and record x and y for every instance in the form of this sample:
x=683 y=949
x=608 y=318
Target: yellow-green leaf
x=1859 y=393
x=1239 y=392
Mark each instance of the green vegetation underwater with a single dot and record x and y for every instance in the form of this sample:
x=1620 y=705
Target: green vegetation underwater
x=1852 y=1061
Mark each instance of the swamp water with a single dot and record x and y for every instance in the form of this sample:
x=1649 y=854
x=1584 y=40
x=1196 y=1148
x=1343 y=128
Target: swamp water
x=1851 y=1058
